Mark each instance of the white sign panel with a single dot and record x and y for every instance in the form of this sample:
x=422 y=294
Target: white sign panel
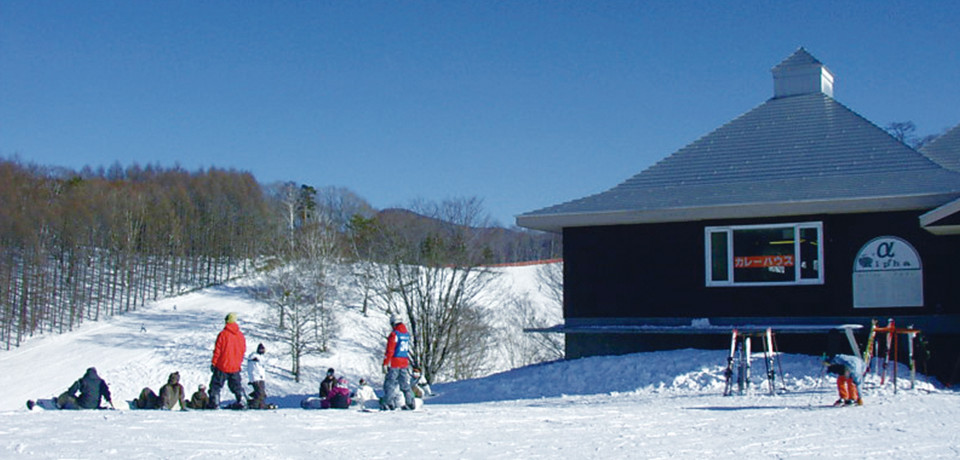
x=887 y=273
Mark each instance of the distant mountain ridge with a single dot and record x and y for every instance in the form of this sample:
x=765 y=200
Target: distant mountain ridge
x=506 y=244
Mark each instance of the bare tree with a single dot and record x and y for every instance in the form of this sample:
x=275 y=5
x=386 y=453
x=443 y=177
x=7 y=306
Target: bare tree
x=905 y=131
x=286 y=293
x=307 y=247
x=431 y=272
x=550 y=277
x=523 y=348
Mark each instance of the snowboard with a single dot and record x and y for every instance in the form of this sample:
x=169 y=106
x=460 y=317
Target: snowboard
x=43 y=404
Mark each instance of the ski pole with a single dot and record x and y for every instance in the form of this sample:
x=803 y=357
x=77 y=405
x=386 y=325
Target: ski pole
x=823 y=371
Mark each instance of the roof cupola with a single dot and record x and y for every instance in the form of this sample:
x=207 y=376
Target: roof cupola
x=801 y=73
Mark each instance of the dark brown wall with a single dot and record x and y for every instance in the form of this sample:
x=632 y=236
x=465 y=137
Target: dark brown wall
x=657 y=270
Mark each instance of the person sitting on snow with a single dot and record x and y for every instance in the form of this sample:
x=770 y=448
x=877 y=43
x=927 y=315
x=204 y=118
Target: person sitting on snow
x=364 y=393
x=91 y=388
x=172 y=393
x=420 y=388
x=338 y=397
x=849 y=370
x=199 y=400
x=327 y=383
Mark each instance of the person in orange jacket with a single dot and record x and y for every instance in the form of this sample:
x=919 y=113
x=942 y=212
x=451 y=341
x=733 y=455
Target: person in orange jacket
x=396 y=363
x=228 y=355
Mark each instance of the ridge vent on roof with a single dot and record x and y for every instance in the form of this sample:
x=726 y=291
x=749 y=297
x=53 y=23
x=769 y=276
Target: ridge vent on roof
x=801 y=73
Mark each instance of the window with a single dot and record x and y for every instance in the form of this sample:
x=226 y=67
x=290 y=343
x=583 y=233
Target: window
x=764 y=255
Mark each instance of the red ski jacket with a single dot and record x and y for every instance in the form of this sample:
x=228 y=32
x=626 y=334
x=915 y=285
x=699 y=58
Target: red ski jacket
x=230 y=349
x=398 y=356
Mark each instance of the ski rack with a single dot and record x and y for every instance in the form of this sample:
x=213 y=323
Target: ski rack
x=893 y=334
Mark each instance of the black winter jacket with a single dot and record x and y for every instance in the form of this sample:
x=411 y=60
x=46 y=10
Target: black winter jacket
x=91 y=388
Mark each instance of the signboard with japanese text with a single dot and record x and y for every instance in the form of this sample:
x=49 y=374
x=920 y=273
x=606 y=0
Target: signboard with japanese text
x=763 y=261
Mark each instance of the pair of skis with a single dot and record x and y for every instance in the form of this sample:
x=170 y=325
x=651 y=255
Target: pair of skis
x=870 y=353
x=741 y=354
x=728 y=372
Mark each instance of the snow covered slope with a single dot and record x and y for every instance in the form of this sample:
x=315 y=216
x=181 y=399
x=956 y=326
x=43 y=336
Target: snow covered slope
x=646 y=405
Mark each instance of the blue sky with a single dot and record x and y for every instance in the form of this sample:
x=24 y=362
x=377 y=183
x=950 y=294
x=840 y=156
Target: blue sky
x=524 y=104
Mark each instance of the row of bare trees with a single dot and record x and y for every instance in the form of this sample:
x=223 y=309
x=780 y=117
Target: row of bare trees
x=80 y=246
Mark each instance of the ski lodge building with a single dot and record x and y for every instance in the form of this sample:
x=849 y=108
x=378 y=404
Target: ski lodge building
x=798 y=212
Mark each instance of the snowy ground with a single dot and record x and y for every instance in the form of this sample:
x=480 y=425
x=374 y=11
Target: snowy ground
x=648 y=405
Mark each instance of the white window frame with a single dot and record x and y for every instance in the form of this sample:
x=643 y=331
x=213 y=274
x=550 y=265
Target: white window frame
x=730 y=229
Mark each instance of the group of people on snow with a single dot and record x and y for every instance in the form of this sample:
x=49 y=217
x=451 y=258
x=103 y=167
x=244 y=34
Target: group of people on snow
x=400 y=388
x=399 y=380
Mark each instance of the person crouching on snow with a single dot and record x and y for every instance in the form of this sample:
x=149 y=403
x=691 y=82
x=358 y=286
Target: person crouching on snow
x=849 y=371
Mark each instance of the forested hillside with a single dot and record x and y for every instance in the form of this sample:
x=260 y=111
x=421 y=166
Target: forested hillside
x=80 y=245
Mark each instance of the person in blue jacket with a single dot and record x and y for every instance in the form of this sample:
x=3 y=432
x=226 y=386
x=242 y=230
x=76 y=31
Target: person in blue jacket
x=849 y=370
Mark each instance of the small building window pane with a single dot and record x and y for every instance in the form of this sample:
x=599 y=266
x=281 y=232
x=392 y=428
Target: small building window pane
x=809 y=254
x=718 y=261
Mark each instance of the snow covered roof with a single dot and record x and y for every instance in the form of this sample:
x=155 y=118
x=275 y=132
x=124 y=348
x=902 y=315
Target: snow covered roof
x=945 y=149
x=792 y=155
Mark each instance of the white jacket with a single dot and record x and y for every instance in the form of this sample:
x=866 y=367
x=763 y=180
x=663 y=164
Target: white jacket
x=365 y=393
x=255 y=367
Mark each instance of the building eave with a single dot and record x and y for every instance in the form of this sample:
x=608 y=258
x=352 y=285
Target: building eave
x=557 y=222
x=931 y=221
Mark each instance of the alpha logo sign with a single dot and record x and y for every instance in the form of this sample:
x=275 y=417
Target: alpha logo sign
x=887 y=272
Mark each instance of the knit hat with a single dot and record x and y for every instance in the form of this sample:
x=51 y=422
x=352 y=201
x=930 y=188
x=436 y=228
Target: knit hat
x=330 y=371
x=231 y=318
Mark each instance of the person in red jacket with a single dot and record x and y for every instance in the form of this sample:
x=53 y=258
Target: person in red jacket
x=228 y=355
x=396 y=364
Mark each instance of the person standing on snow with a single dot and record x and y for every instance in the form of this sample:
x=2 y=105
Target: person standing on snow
x=228 y=353
x=255 y=368
x=849 y=370
x=396 y=362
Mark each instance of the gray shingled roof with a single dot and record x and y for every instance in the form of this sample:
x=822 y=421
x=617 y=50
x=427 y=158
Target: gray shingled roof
x=805 y=154
x=800 y=58
x=945 y=150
